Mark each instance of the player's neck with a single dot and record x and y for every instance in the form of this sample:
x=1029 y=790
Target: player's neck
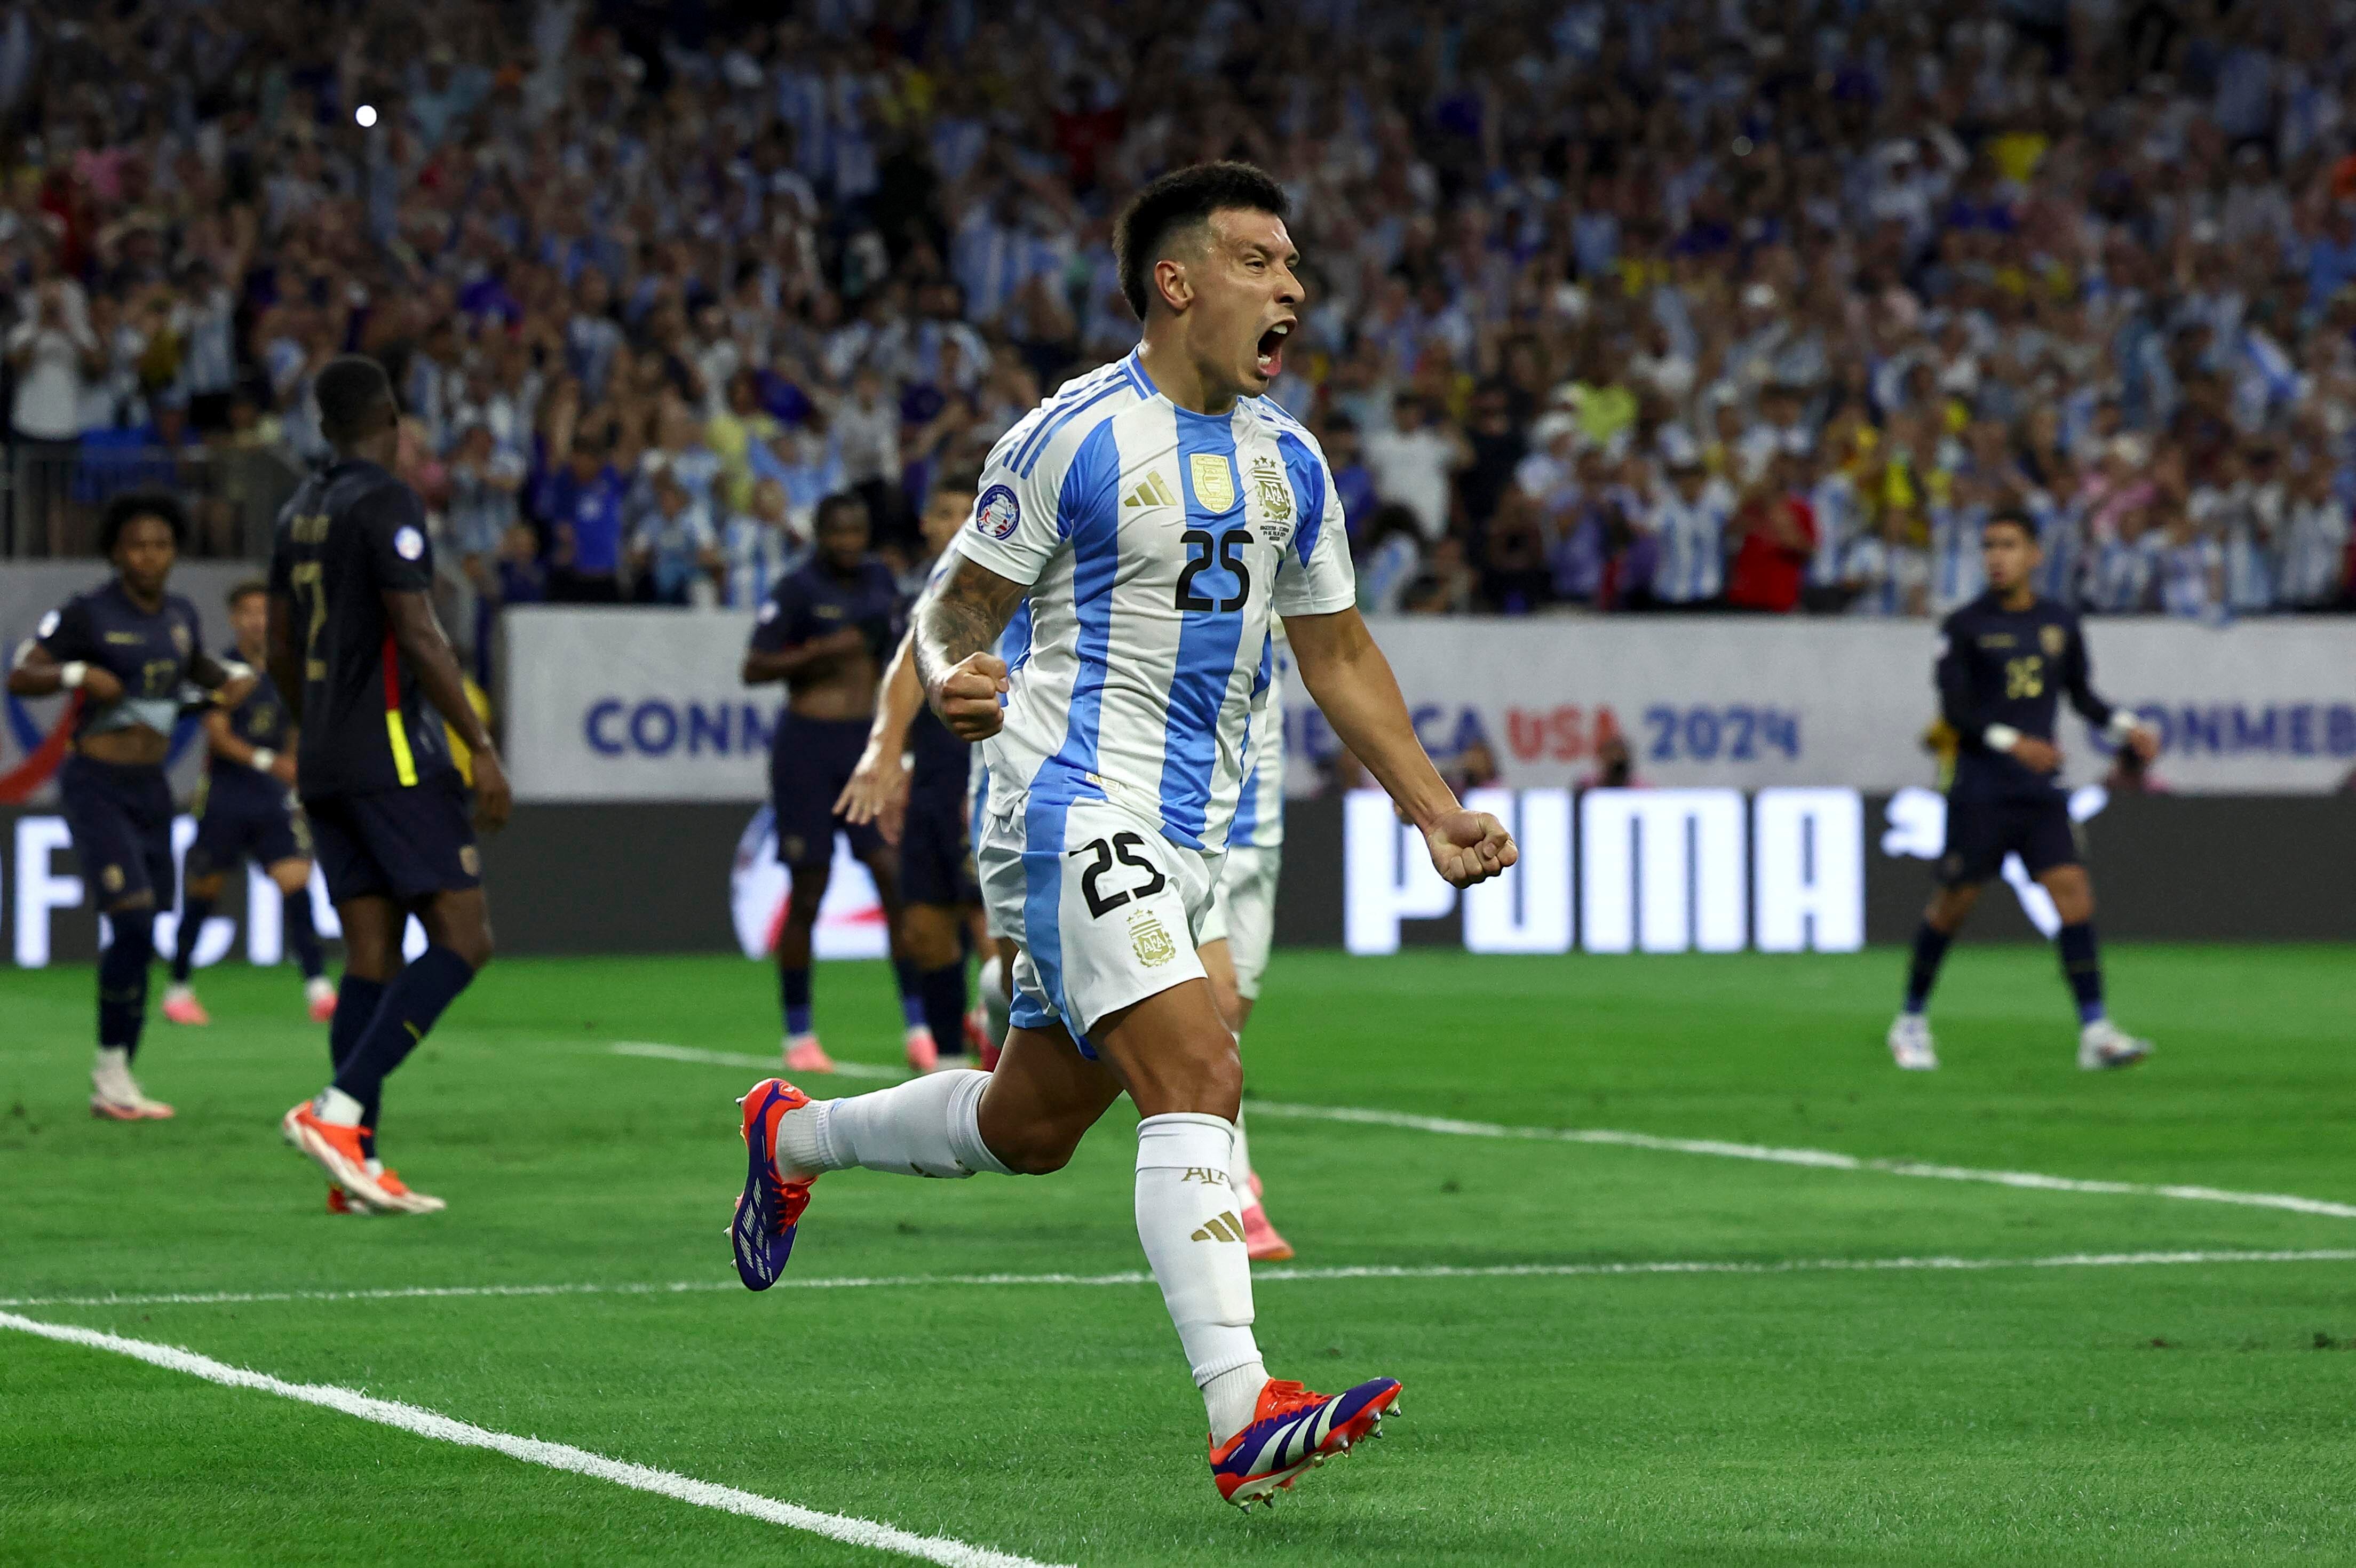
x=149 y=599
x=2018 y=597
x=1178 y=378
x=256 y=654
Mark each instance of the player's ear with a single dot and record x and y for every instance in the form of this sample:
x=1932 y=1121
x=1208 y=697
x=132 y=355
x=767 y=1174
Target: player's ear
x=1172 y=284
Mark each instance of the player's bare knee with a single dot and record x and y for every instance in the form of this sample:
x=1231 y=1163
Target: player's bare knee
x=292 y=876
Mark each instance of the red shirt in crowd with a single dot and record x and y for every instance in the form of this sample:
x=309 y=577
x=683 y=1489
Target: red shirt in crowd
x=1767 y=573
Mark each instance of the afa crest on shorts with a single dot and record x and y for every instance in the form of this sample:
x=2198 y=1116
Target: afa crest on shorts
x=998 y=513
x=1152 y=941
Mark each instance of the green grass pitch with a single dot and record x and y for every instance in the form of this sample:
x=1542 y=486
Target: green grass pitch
x=2182 y=1413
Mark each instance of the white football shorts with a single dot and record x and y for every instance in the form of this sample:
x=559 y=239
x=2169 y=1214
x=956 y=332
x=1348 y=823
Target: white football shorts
x=1107 y=912
x=1243 y=912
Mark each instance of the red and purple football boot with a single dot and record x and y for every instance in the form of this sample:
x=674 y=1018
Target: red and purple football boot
x=1294 y=1430
x=762 y=1234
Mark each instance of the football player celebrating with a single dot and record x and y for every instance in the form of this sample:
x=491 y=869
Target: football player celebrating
x=1154 y=514
x=126 y=648
x=248 y=809
x=2004 y=659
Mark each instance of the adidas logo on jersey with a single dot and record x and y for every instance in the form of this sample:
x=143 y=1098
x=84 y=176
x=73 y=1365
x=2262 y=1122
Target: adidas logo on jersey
x=1152 y=493
x=1223 y=1227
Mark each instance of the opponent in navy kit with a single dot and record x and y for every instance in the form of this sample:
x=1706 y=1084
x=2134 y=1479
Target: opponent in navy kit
x=246 y=810
x=2005 y=661
x=129 y=651
x=364 y=667
x=826 y=632
x=911 y=782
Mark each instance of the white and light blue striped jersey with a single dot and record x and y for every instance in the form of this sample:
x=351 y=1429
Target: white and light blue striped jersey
x=1957 y=576
x=2314 y=547
x=1693 y=543
x=1259 y=809
x=1156 y=543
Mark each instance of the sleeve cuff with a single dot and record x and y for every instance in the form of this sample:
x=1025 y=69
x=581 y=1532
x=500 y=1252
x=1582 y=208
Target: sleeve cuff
x=2122 y=725
x=2000 y=737
x=983 y=550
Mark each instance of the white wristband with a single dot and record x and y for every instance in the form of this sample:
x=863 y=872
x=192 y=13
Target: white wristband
x=2000 y=737
x=2122 y=725
x=72 y=673
x=262 y=760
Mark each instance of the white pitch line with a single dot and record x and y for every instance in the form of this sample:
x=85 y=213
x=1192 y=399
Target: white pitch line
x=660 y=1052
x=1362 y=1271
x=1822 y=1159
x=534 y=1451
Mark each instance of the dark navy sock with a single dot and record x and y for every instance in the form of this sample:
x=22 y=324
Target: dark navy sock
x=2083 y=967
x=912 y=1011
x=357 y=1001
x=301 y=935
x=943 y=997
x=412 y=1004
x=122 y=978
x=194 y=912
x=794 y=990
x=1923 y=973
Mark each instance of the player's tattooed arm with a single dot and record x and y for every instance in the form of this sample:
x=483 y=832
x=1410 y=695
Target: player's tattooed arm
x=955 y=630
x=421 y=641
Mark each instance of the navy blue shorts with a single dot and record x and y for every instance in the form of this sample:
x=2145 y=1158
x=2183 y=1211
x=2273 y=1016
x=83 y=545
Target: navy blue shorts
x=244 y=823
x=121 y=823
x=809 y=762
x=402 y=844
x=936 y=850
x=1982 y=831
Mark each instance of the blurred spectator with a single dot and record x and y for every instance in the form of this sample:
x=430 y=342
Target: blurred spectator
x=1688 y=517
x=585 y=551
x=674 y=552
x=1388 y=557
x=1888 y=572
x=1774 y=532
x=54 y=355
x=1413 y=460
x=759 y=546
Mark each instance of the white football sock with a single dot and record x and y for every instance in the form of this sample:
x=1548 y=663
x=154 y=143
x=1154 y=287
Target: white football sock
x=927 y=1127
x=1187 y=1218
x=1239 y=1169
x=337 y=1108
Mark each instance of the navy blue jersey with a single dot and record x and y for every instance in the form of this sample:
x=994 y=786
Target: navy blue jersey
x=260 y=721
x=814 y=602
x=352 y=534
x=152 y=653
x=2007 y=667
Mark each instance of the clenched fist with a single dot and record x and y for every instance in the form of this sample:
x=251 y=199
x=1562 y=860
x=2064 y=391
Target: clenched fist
x=1469 y=847
x=967 y=698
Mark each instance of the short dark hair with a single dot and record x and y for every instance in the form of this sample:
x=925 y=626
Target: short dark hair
x=966 y=481
x=350 y=388
x=2012 y=517
x=841 y=500
x=128 y=505
x=1183 y=199
x=246 y=590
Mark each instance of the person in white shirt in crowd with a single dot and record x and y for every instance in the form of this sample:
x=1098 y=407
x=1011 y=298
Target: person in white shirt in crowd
x=2190 y=563
x=483 y=482
x=1840 y=512
x=1414 y=461
x=54 y=353
x=1887 y=571
x=2314 y=542
x=1956 y=575
x=759 y=546
x=2248 y=532
x=1689 y=516
x=866 y=425
x=1387 y=559
x=674 y=553
x=2121 y=571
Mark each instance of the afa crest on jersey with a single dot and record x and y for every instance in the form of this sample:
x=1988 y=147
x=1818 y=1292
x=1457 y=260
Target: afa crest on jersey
x=1275 y=493
x=1214 y=480
x=2052 y=639
x=997 y=513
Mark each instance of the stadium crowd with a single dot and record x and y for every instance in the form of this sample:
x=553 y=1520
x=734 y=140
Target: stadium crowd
x=1658 y=304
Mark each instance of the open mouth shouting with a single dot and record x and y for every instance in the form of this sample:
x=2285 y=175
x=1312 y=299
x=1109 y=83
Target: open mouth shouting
x=1269 y=359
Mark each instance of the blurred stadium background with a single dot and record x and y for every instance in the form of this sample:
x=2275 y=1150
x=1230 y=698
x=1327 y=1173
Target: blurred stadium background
x=1819 y=283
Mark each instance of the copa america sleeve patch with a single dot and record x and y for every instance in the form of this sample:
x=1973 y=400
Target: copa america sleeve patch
x=998 y=513
x=409 y=544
